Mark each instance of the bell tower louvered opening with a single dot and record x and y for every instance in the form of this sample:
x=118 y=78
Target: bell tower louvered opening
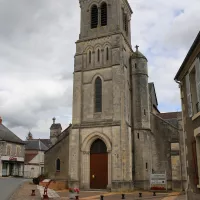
x=94 y=16
x=104 y=14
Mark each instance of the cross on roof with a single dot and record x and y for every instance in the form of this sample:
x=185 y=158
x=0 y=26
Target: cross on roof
x=136 y=47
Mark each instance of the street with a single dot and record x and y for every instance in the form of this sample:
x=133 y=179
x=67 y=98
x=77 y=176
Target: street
x=8 y=186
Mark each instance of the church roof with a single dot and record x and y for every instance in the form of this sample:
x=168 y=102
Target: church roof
x=9 y=136
x=152 y=93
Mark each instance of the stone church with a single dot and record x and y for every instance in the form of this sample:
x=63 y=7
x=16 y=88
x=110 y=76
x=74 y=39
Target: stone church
x=118 y=137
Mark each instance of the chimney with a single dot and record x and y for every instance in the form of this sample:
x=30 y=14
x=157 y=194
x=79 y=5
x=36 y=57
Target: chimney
x=0 y=120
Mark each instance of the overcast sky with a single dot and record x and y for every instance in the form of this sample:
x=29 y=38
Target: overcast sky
x=37 y=47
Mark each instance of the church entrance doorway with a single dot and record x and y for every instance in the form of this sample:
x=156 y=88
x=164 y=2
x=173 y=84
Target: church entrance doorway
x=98 y=165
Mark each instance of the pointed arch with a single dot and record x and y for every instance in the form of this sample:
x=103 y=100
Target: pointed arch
x=94 y=16
x=98 y=95
x=104 y=14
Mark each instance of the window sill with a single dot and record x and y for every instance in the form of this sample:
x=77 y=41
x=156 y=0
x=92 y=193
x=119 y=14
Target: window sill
x=196 y=116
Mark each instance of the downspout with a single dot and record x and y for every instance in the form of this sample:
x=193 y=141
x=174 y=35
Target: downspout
x=179 y=83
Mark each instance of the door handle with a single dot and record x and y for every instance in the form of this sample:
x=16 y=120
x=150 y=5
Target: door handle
x=93 y=176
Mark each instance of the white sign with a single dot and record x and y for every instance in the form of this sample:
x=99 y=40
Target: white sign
x=12 y=158
x=158 y=182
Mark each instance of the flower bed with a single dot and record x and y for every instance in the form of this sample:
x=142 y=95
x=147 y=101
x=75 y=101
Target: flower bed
x=73 y=192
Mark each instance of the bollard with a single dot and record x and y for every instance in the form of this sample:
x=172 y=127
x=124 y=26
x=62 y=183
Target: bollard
x=101 y=197
x=123 y=196
x=45 y=196
x=76 y=197
x=33 y=193
x=140 y=194
x=154 y=193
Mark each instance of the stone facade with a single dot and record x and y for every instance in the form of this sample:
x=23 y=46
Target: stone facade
x=188 y=78
x=137 y=140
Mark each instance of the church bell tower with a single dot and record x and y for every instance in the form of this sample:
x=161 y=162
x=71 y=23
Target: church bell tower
x=100 y=151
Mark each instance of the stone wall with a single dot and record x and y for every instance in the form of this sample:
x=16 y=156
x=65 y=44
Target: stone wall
x=166 y=152
x=58 y=151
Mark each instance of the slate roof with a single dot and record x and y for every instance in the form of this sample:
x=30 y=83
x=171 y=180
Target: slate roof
x=35 y=144
x=46 y=142
x=9 y=136
x=192 y=48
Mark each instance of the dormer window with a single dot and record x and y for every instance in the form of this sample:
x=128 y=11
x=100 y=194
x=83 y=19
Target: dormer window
x=104 y=14
x=94 y=16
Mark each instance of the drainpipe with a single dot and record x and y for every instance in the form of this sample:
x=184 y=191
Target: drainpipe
x=179 y=83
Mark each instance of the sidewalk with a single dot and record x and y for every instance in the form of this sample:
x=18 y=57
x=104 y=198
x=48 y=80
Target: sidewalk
x=24 y=193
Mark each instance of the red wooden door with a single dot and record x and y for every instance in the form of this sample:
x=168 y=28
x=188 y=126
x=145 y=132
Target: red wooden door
x=98 y=171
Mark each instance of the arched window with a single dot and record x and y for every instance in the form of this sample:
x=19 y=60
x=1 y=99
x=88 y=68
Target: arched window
x=98 y=95
x=94 y=16
x=104 y=14
x=98 y=55
x=107 y=54
x=58 y=164
x=90 y=57
x=98 y=146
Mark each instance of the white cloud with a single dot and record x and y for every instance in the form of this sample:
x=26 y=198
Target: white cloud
x=37 y=56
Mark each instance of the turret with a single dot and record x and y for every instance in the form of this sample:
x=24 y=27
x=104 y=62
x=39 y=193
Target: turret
x=55 y=131
x=140 y=90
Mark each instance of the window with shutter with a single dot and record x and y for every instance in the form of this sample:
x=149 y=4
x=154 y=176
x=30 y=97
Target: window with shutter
x=189 y=97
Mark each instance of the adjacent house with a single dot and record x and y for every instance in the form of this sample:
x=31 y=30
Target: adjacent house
x=34 y=157
x=11 y=153
x=188 y=78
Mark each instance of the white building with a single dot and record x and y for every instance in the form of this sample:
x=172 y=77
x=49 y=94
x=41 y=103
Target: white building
x=34 y=158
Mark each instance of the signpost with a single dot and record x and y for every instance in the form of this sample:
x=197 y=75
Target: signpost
x=158 y=181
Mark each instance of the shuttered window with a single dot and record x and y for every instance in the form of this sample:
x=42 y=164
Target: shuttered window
x=189 y=97
x=94 y=16
x=197 y=68
x=104 y=14
x=98 y=95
